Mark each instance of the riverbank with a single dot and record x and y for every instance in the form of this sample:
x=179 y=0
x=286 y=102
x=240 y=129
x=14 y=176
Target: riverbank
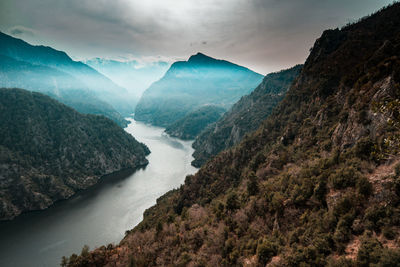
x=101 y=214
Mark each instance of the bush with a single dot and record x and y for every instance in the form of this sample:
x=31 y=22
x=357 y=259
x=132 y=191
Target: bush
x=232 y=202
x=265 y=251
x=369 y=252
x=388 y=232
x=344 y=177
x=374 y=216
x=252 y=184
x=364 y=187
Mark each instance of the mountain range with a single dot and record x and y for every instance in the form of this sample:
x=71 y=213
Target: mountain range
x=188 y=85
x=53 y=72
x=132 y=75
x=244 y=117
x=317 y=184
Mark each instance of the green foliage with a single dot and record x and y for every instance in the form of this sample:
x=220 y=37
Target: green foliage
x=252 y=184
x=188 y=85
x=244 y=117
x=344 y=177
x=265 y=251
x=311 y=201
x=56 y=148
x=193 y=123
x=232 y=201
x=363 y=186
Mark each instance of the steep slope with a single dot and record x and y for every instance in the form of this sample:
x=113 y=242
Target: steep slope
x=48 y=151
x=244 y=117
x=57 y=84
x=88 y=78
x=192 y=124
x=133 y=75
x=187 y=85
x=316 y=185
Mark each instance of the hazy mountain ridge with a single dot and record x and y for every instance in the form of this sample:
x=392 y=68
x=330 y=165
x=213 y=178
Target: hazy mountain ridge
x=57 y=84
x=188 y=85
x=60 y=70
x=132 y=75
x=317 y=184
x=49 y=151
x=244 y=117
x=192 y=124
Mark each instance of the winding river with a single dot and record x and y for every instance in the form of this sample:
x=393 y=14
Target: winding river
x=102 y=214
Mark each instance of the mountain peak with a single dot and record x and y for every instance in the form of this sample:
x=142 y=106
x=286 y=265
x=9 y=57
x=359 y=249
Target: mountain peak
x=201 y=58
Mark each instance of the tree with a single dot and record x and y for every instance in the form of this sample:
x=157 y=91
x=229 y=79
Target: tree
x=252 y=184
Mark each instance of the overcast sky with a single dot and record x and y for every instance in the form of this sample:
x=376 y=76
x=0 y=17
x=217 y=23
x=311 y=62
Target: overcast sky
x=264 y=35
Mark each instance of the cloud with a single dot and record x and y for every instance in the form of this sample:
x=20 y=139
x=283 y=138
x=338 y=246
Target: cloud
x=265 y=35
x=21 y=31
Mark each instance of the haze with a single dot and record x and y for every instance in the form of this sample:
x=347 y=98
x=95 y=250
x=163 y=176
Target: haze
x=264 y=35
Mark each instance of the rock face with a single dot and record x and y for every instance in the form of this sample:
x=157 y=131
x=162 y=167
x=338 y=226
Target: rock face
x=244 y=117
x=52 y=72
x=317 y=184
x=188 y=85
x=48 y=151
x=192 y=124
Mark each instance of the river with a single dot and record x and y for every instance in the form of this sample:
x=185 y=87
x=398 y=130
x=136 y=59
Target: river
x=102 y=214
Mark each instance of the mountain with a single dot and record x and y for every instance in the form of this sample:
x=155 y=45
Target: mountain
x=188 y=85
x=28 y=58
x=244 y=117
x=317 y=184
x=192 y=124
x=132 y=75
x=48 y=151
x=57 y=84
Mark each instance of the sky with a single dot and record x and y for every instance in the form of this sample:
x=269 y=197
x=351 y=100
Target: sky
x=263 y=35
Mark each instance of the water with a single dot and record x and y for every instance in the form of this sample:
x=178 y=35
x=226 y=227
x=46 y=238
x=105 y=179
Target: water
x=102 y=214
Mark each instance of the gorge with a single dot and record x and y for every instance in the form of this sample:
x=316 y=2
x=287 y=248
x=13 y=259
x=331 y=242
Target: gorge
x=104 y=212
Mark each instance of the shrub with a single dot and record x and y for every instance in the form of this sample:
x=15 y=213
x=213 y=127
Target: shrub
x=388 y=232
x=265 y=251
x=344 y=177
x=369 y=252
x=364 y=187
x=232 y=202
x=252 y=184
x=374 y=215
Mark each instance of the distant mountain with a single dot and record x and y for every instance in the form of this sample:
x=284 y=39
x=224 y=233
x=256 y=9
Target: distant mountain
x=187 y=85
x=317 y=184
x=48 y=151
x=57 y=84
x=132 y=75
x=84 y=77
x=192 y=124
x=245 y=116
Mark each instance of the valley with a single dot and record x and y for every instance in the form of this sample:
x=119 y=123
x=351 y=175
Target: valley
x=139 y=142
x=101 y=214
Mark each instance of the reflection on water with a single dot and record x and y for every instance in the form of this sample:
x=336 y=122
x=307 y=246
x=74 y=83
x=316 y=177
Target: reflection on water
x=101 y=214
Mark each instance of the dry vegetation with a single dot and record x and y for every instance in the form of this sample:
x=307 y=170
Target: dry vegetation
x=318 y=184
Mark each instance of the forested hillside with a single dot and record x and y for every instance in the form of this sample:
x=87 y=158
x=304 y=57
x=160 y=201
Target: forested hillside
x=244 y=117
x=192 y=124
x=49 y=151
x=52 y=72
x=188 y=85
x=317 y=184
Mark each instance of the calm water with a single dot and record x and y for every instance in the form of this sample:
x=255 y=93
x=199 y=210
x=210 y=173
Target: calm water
x=102 y=214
